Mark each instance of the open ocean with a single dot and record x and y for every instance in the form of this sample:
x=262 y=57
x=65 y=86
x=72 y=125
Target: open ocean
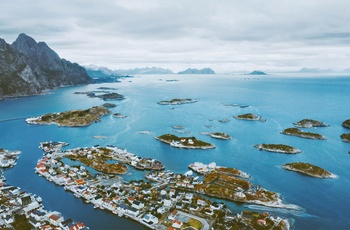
x=281 y=99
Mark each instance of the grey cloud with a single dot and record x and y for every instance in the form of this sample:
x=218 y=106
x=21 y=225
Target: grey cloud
x=118 y=32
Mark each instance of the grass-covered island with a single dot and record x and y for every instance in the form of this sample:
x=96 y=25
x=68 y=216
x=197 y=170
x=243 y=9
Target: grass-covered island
x=346 y=124
x=308 y=169
x=345 y=137
x=225 y=184
x=278 y=148
x=299 y=133
x=72 y=118
x=309 y=123
x=250 y=117
x=184 y=142
x=104 y=95
x=177 y=101
x=219 y=135
x=97 y=159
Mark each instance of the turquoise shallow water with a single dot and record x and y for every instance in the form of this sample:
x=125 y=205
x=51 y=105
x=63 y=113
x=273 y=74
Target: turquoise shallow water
x=282 y=100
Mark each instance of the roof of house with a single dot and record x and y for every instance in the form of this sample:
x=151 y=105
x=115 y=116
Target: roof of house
x=55 y=217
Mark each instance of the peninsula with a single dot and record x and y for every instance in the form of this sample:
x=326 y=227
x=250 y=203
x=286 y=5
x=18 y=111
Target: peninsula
x=223 y=183
x=72 y=118
x=278 y=148
x=97 y=158
x=177 y=101
x=250 y=117
x=308 y=169
x=346 y=124
x=184 y=142
x=299 y=133
x=345 y=137
x=201 y=168
x=21 y=209
x=309 y=123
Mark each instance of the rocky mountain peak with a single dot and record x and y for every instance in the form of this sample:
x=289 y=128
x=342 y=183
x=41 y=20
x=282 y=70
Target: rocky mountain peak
x=3 y=43
x=24 y=42
x=28 y=67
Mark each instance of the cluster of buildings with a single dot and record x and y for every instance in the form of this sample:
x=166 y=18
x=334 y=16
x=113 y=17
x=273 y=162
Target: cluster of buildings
x=122 y=155
x=202 y=168
x=17 y=203
x=8 y=158
x=166 y=201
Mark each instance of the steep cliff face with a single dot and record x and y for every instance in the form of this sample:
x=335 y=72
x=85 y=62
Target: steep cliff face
x=28 y=67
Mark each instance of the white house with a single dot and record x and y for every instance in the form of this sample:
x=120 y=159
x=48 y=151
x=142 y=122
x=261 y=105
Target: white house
x=177 y=224
x=167 y=203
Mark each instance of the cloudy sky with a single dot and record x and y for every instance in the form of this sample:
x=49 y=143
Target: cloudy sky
x=226 y=35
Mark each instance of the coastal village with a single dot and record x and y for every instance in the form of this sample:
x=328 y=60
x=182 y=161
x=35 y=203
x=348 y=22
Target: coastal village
x=164 y=201
x=20 y=209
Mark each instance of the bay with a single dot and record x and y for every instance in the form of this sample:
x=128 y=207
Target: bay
x=281 y=99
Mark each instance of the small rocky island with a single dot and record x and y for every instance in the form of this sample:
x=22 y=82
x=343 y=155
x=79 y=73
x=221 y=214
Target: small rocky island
x=219 y=135
x=184 y=142
x=109 y=105
x=177 y=101
x=309 y=123
x=72 y=118
x=346 y=124
x=119 y=115
x=299 y=133
x=345 y=137
x=250 y=117
x=104 y=95
x=308 y=169
x=278 y=148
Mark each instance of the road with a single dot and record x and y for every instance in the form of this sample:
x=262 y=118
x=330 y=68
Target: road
x=203 y=221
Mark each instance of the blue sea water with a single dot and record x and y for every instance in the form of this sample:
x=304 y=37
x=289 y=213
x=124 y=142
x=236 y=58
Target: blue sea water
x=281 y=99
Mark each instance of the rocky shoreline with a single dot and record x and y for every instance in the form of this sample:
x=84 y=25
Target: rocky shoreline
x=345 y=137
x=184 y=142
x=309 y=170
x=177 y=101
x=309 y=123
x=250 y=117
x=278 y=148
x=346 y=124
x=72 y=118
x=299 y=133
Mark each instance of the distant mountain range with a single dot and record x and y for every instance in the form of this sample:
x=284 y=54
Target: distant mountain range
x=28 y=68
x=103 y=72
x=197 y=71
x=315 y=70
